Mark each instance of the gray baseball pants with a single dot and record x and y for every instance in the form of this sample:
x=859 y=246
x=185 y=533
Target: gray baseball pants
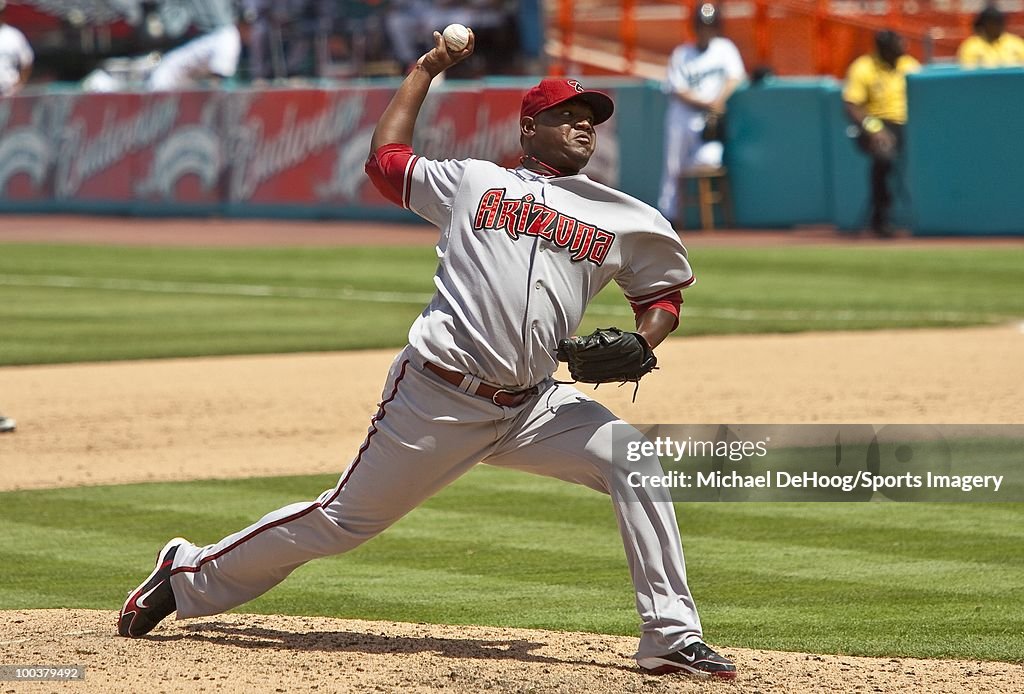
x=426 y=434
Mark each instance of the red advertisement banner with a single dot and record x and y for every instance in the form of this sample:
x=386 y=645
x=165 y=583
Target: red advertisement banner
x=292 y=148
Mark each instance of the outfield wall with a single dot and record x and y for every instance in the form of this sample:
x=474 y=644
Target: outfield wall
x=299 y=153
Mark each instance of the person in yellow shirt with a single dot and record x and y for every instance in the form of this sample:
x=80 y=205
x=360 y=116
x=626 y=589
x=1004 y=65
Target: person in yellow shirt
x=876 y=102
x=991 y=45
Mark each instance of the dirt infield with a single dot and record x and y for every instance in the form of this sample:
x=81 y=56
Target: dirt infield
x=179 y=419
x=257 y=232
x=307 y=413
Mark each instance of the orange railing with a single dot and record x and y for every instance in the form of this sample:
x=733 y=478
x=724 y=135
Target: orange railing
x=791 y=37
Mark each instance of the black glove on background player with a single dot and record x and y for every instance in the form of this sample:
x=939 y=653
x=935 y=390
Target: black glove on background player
x=607 y=355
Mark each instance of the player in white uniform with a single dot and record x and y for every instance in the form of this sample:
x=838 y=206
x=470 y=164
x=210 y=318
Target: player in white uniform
x=701 y=78
x=521 y=253
x=213 y=54
x=16 y=57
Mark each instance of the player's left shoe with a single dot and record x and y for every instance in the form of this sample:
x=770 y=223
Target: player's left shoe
x=153 y=600
x=696 y=659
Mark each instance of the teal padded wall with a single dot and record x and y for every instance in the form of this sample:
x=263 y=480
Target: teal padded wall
x=965 y=154
x=777 y=154
x=640 y=117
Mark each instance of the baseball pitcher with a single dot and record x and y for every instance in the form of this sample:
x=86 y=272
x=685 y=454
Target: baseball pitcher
x=521 y=253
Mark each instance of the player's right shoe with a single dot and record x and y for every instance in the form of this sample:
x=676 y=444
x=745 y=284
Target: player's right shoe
x=6 y=424
x=153 y=600
x=696 y=659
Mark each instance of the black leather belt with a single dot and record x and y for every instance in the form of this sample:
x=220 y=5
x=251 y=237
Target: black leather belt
x=499 y=396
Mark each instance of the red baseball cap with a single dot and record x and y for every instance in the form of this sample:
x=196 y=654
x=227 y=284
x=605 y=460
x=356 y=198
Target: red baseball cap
x=551 y=92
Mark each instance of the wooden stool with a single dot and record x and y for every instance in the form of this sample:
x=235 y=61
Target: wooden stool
x=707 y=195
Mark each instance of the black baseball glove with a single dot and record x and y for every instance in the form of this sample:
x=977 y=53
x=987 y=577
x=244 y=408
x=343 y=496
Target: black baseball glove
x=607 y=355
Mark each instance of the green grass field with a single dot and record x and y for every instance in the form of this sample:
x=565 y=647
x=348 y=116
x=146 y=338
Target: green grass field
x=508 y=549
x=503 y=548
x=81 y=303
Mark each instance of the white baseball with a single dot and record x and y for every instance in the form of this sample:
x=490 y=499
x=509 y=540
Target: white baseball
x=456 y=37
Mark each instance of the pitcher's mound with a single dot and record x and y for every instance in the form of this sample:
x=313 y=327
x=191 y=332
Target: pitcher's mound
x=247 y=653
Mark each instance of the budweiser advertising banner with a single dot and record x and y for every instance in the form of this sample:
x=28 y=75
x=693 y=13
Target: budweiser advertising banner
x=278 y=152
x=189 y=162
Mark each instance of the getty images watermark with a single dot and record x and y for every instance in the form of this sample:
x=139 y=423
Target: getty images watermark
x=815 y=462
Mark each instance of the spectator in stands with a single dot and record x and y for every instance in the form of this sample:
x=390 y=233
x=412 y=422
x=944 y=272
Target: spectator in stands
x=494 y=23
x=991 y=45
x=305 y=35
x=496 y=29
x=407 y=22
x=285 y=38
x=876 y=102
x=213 y=54
x=361 y=38
x=262 y=36
x=15 y=57
x=701 y=78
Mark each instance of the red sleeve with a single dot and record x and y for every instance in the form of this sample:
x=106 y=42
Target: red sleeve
x=390 y=171
x=670 y=303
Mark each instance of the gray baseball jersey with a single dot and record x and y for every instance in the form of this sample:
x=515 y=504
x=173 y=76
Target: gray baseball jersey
x=520 y=257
